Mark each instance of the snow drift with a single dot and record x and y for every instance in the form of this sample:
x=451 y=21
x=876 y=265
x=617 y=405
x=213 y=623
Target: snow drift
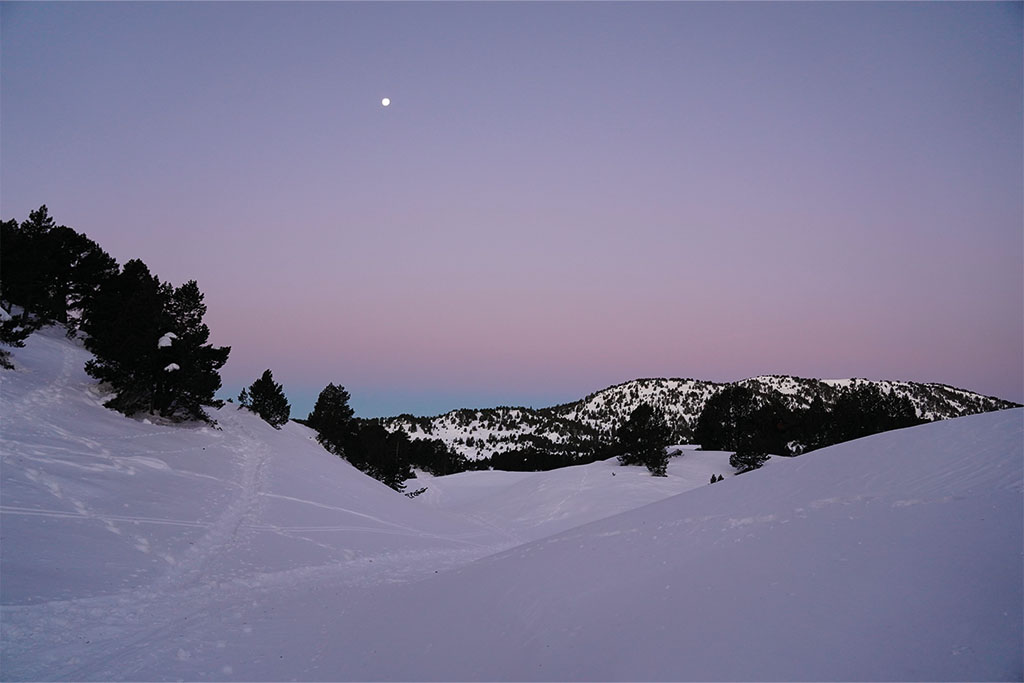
x=131 y=550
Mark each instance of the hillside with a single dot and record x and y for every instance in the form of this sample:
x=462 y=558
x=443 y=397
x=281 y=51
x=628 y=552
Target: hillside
x=480 y=433
x=116 y=530
x=138 y=551
x=894 y=557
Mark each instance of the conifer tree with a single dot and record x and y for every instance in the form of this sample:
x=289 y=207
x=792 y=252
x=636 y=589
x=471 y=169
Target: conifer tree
x=27 y=261
x=85 y=268
x=50 y=270
x=738 y=418
x=123 y=326
x=191 y=364
x=379 y=453
x=266 y=398
x=642 y=440
x=332 y=419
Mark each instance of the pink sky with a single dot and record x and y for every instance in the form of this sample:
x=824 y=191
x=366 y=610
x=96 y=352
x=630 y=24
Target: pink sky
x=560 y=196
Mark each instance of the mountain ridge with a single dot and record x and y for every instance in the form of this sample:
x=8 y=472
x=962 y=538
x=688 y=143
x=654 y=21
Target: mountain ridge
x=479 y=433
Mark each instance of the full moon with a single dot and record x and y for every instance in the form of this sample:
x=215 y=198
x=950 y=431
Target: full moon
x=385 y=102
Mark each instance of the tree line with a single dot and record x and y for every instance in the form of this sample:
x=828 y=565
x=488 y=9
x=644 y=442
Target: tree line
x=754 y=424
x=751 y=424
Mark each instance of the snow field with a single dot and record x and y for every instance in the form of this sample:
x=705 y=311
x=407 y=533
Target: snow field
x=138 y=551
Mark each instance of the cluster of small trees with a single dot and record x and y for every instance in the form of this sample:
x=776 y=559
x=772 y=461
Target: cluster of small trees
x=856 y=411
x=386 y=456
x=149 y=340
x=749 y=423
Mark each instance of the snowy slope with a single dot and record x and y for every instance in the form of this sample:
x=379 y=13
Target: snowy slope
x=154 y=552
x=895 y=557
x=115 y=532
x=114 y=527
x=531 y=505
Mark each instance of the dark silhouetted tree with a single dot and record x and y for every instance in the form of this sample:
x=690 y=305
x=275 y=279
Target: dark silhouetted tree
x=191 y=364
x=379 y=453
x=124 y=325
x=332 y=418
x=50 y=270
x=738 y=418
x=435 y=457
x=643 y=440
x=266 y=398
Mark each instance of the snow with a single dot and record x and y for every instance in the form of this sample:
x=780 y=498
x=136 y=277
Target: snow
x=531 y=505
x=166 y=340
x=172 y=367
x=137 y=551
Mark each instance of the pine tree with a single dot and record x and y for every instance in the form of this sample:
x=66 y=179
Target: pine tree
x=27 y=263
x=124 y=325
x=643 y=440
x=50 y=270
x=332 y=419
x=379 y=453
x=738 y=418
x=191 y=365
x=88 y=268
x=266 y=398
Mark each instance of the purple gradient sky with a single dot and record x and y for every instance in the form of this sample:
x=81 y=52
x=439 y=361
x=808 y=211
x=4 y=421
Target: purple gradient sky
x=560 y=197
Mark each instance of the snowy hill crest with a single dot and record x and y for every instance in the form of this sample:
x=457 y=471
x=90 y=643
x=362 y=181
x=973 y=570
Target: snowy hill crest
x=479 y=433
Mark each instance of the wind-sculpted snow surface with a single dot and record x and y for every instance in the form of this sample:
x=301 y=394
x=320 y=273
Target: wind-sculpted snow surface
x=136 y=551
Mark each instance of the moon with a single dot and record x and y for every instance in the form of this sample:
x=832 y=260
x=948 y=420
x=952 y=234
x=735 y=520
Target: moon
x=385 y=102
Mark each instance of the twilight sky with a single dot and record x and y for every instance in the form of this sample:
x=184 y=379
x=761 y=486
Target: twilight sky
x=561 y=196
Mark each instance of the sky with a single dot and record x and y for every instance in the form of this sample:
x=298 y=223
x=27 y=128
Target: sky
x=560 y=196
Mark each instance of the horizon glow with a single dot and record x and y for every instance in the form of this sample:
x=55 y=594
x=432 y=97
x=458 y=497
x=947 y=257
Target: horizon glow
x=571 y=195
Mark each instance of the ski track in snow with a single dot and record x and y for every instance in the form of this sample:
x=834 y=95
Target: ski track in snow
x=85 y=638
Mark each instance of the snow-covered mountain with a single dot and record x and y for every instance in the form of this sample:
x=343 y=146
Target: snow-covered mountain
x=138 y=551
x=480 y=433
